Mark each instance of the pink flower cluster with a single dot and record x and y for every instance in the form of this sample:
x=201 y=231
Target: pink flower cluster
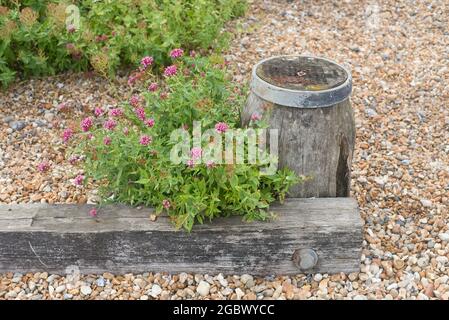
x=98 y=111
x=134 y=101
x=74 y=159
x=256 y=117
x=93 y=212
x=145 y=140
x=71 y=28
x=78 y=180
x=62 y=106
x=152 y=87
x=43 y=166
x=86 y=124
x=196 y=153
x=125 y=131
x=190 y=163
x=101 y=37
x=140 y=113
x=116 y=112
x=67 y=134
x=176 y=53
x=110 y=124
x=210 y=164
x=146 y=61
x=149 y=122
x=107 y=140
x=170 y=71
x=166 y=204
x=221 y=127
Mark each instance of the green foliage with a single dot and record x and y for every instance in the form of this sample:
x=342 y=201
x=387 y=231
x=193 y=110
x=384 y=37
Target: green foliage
x=199 y=190
x=35 y=38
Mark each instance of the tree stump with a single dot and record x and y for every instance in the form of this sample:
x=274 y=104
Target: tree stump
x=307 y=100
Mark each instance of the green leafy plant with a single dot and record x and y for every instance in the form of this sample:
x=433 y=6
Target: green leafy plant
x=131 y=151
x=36 y=38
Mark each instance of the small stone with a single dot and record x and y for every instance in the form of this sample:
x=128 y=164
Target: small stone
x=426 y=203
x=155 y=290
x=370 y=112
x=86 y=290
x=353 y=276
x=68 y=296
x=203 y=288
x=153 y=217
x=17 y=125
x=245 y=278
x=60 y=289
x=183 y=277
x=444 y=236
x=398 y=264
x=318 y=277
x=223 y=282
x=239 y=293
x=100 y=282
x=8 y=119
x=360 y=297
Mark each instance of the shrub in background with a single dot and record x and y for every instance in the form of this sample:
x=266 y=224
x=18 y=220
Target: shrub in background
x=36 y=40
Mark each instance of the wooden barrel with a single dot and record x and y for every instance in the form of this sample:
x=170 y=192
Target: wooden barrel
x=307 y=100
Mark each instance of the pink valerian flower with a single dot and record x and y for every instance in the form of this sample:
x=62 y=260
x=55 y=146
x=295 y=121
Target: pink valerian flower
x=100 y=38
x=163 y=95
x=74 y=159
x=176 y=53
x=210 y=164
x=134 y=101
x=116 y=112
x=256 y=117
x=89 y=136
x=149 y=122
x=145 y=140
x=196 y=153
x=107 y=140
x=146 y=61
x=43 y=166
x=125 y=131
x=190 y=163
x=110 y=124
x=70 y=47
x=153 y=87
x=98 y=111
x=62 y=106
x=170 y=71
x=221 y=127
x=93 y=212
x=86 y=124
x=67 y=134
x=71 y=28
x=78 y=180
x=140 y=113
x=166 y=204
x=132 y=79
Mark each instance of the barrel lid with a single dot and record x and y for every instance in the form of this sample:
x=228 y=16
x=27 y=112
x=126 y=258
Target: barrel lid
x=301 y=81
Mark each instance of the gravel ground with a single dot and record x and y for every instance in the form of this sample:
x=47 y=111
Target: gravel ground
x=398 y=52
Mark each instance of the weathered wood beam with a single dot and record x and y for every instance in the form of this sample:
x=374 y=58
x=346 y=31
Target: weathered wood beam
x=35 y=237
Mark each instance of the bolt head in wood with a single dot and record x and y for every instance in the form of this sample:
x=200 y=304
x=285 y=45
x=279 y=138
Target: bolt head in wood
x=305 y=259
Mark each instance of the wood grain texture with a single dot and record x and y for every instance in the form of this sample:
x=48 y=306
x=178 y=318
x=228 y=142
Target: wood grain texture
x=122 y=239
x=313 y=142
